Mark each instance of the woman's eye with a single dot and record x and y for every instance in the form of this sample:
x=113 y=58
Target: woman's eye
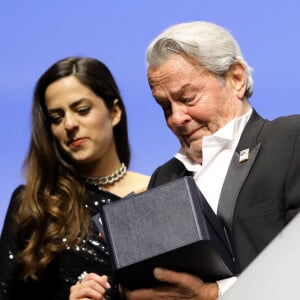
x=55 y=119
x=83 y=110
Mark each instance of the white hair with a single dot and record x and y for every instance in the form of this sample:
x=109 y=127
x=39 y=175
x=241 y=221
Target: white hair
x=211 y=45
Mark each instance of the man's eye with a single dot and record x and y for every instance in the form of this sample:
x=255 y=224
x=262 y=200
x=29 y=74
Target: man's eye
x=187 y=100
x=167 y=110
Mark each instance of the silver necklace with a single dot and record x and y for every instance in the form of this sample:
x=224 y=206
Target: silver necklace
x=103 y=180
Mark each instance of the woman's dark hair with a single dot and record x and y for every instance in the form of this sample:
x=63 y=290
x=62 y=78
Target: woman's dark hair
x=52 y=205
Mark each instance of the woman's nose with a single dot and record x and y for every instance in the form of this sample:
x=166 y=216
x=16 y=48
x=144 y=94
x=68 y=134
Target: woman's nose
x=70 y=122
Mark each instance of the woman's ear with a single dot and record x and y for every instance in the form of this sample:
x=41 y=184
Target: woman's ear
x=116 y=113
x=237 y=76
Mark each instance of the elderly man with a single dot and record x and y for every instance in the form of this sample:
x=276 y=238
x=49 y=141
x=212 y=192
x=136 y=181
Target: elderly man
x=247 y=167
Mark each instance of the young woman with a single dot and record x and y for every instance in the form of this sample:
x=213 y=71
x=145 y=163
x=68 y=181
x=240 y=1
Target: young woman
x=77 y=160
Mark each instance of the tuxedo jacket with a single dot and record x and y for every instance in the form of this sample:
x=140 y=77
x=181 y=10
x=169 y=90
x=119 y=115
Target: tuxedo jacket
x=261 y=194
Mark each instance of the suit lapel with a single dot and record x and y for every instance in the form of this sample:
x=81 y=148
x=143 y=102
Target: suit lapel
x=238 y=170
x=234 y=180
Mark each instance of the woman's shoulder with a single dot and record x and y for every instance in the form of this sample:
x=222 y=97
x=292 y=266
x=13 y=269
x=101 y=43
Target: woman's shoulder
x=139 y=176
x=16 y=198
x=138 y=181
x=132 y=182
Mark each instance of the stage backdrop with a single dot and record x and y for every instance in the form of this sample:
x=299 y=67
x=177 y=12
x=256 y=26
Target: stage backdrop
x=34 y=34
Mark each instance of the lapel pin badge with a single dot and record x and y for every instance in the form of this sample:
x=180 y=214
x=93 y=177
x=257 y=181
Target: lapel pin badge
x=244 y=155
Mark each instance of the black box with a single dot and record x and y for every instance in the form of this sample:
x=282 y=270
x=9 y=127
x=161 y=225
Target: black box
x=171 y=226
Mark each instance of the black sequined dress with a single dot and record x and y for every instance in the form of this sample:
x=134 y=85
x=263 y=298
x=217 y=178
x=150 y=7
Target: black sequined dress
x=90 y=255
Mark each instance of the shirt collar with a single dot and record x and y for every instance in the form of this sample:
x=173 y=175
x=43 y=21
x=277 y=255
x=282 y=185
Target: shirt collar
x=228 y=135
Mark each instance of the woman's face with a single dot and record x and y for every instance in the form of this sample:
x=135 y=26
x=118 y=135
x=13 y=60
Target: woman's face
x=80 y=121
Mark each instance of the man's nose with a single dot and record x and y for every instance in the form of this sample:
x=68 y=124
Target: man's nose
x=179 y=115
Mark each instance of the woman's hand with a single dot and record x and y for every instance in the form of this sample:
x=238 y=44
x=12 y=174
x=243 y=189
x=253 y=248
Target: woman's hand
x=179 y=286
x=92 y=287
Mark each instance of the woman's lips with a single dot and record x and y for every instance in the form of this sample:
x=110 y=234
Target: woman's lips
x=77 y=142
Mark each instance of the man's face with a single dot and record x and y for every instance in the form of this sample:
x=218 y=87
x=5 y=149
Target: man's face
x=195 y=102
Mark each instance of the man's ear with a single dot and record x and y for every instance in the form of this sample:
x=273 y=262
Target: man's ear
x=237 y=77
x=116 y=113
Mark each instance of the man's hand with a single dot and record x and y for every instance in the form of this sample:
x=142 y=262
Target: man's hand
x=178 y=286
